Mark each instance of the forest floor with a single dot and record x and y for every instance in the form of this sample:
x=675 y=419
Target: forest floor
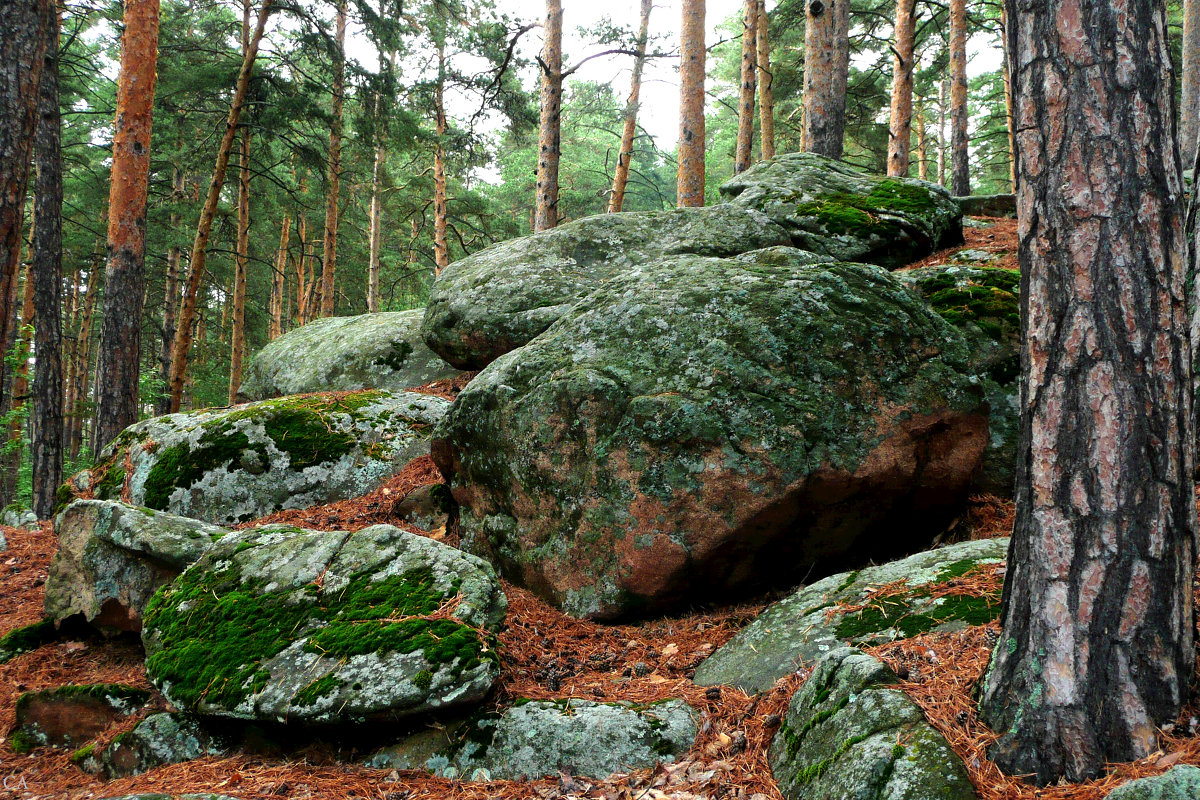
x=545 y=654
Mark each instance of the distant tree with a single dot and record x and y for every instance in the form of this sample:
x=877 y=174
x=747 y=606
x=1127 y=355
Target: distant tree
x=827 y=64
x=900 y=127
x=625 y=155
x=766 y=81
x=334 y=182
x=744 y=148
x=693 y=59
x=545 y=212
x=960 y=165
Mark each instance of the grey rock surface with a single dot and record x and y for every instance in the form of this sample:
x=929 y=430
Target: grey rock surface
x=1178 y=783
x=159 y=739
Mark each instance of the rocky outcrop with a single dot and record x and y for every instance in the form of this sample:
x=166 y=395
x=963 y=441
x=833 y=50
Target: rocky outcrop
x=113 y=557
x=69 y=716
x=829 y=207
x=339 y=354
x=158 y=740
x=1180 y=783
x=988 y=205
x=847 y=733
x=240 y=463
x=288 y=625
x=834 y=612
x=699 y=427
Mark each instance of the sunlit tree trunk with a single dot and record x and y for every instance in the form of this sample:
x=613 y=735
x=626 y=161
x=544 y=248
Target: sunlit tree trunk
x=1189 y=79
x=693 y=60
x=922 y=141
x=744 y=147
x=960 y=172
x=616 y=198
x=1097 y=647
x=943 y=100
x=550 y=131
x=1008 y=110
x=900 y=127
x=279 y=279
x=329 y=258
x=766 y=80
x=827 y=69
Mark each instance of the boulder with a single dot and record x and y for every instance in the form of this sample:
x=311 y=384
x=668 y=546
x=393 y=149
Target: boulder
x=113 y=557
x=17 y=518
x=988 y=205
x=833 y=208
x=237 y=464
x=429 y=507
x=699 y=427
x=69 y=716
x=827 y=615
x=499 y=298
x=848 y=734
x=159 y=739
x=345 y=354
x=26 y=639
x=281 y=624
x=1180 y=783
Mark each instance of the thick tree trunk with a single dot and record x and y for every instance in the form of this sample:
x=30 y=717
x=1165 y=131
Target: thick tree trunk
x=766 y=80
x=46 y=417
x=744 y=147
x=279 y=280
x=119 y=362
x=1189 y=78
x=1097 y=648
x=900 y=127
x=441 y=214
x=187 y=307
x=960 y=173
x=827 y=69
x=329 y=259
x=550 y=131
x=621 y=176
x=693 y=61
x=237 y=337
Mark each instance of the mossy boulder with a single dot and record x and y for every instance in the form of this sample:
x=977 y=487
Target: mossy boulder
x=159 y=739
x=282 y=624
x=113 y=557
x=828 y=614
x=984 y=304
x=499 y=298
x=848 y=733
x=239 y=463
x=1179 y=783
x=701 y=427
x=337 y=354
x=69 y=716
x=832 y=208
x=26 y=639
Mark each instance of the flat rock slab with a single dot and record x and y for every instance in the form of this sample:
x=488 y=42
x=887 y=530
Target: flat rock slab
x=283 y=624
x=801 y=628
x=1179 y=783
x=848 y=734
x=69 y=716
x=340 y=354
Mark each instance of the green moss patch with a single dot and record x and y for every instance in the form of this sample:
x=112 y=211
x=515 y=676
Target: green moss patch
x=985 y=297
x=855 y=214
x=27 y=639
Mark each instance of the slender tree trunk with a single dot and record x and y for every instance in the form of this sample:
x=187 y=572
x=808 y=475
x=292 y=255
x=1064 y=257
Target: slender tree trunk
x=900 y=127
x=1008 y=108
x=960 y=173
x=237 y=338
x=943 y=95
x=441 y=247
x=46 y=419
x=922 y=141
x=83 y=361
x=744 y=147
x=766 y=80
x=827 y=70
x=1097 y=649
x=621 y=177
x=187 y=307
x=329 y=260
x=1189 y=108
x=693 y=61
x=374 y=232
x=10 y=461
x=162 y=405
x=550 y=132
x=278 y=279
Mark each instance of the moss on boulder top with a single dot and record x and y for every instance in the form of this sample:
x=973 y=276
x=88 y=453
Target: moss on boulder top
x=335 y=354
x=239 y=463
x=290 y=625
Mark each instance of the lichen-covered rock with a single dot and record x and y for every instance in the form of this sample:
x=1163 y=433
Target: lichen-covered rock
x=832 y=208
x=113 y=557
x=239 y=463
x=289 y=625
x=700 y=427
x=988 y=205
x=1180 y=783
x=68 y=716
x=984 y=304
x=159 y=739
x=848 y=734
x=338 y=354
x=17 y=518
x=812 y=622
x=499 y=298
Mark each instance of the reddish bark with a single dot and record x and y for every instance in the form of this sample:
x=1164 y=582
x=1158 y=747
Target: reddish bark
x=693 y=58
x=545 y=213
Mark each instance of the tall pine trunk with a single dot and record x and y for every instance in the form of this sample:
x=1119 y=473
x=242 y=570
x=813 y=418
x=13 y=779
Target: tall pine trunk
x=943 y=106
x=922 y=141
x=441 y=213
x=329 y=258
x=900 y=127
x=279 y=280
x=766 y=80
x=827 y=69
x=545 y=214
x=1189 y=79
x=960 y=167
x=1097 y=648
x=162 y=405
x=616 y=199
x=237 y=337
x=744 y=147
x=693 y=61
x=1008 y=109
x=81 y=369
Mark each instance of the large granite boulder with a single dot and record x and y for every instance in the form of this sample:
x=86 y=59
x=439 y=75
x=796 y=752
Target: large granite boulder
x=236 y=464
x=113 y=557
x=1180 y=783
x=832 y=208
x=835 y=611
x=499 y=298
x=849 y=734
x=699 y=427
x=282 y=624
x=338 y=354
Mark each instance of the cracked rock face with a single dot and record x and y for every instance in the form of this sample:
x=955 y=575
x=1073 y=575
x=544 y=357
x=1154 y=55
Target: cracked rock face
x=847 y=733
x=290 y=625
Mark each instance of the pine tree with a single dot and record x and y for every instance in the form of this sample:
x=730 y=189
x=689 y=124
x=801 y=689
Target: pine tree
x=693 y=58
x=827 y=65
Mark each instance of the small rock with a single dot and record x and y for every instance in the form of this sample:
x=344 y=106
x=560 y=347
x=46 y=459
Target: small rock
x=159 y=739
x=70 y=716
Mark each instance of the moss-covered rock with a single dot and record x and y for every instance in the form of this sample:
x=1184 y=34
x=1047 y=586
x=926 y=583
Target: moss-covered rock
x=1179 y=783
x=70 y=716
x=826 y=615
x=499 y=298
x=159 y=739
x=832 y=208
x=288 y=625
x=849 y=734
x=113 y=557
x=700 y=427
x=26 y=639
x=370 y=351
x=239 y=463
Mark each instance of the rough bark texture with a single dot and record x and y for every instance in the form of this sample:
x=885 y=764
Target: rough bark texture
x=237 y=336
x=827 y=69
x=1097 y=648
x=693 y=56
x=943 y=100
x=329 y=259
x=744 y=149
x=278 y=278
x=900 y=127
x=1189 y=75
x=119 y=362
x=922 y=141
x=545 y=214
x=46 y=419
x=162 y=404
x=960 y=177
x=441 y=222
x=766 y=79
x=621 y=177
